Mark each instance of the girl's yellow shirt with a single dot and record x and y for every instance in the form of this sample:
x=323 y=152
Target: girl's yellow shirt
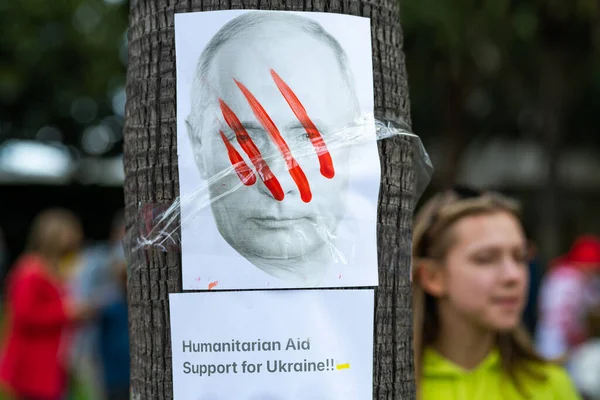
x=444 y=380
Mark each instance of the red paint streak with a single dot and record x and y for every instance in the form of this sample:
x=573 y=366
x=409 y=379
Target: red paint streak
x=252 y=151
x=313 y=133
x=293 y=167
x=241 y=168
x=302 y=183
x=212 y=285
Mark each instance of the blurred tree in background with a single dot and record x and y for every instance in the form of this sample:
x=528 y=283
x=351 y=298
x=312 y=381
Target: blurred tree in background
x=529 y=70
x=62 y=72
x=489 y=67
x=520 y=73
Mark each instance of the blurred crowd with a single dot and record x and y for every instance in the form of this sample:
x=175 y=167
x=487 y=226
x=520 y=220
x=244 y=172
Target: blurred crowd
x=490 y=320
x=64 y=320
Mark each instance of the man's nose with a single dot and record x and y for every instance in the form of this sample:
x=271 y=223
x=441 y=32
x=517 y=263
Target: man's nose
x=279 y=170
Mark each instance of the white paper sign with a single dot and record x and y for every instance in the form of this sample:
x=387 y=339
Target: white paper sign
x=273 y=345
x=278 y=163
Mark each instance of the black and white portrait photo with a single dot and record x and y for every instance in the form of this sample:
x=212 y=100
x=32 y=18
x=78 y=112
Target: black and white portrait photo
x=278 y=164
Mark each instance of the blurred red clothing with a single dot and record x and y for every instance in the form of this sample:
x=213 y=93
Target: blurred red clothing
x=32 y=362
x=569 y=291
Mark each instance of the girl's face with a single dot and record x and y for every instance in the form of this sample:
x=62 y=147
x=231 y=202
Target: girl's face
x=484 y=278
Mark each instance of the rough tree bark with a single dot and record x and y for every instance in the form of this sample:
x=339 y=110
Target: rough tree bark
x=152 y=181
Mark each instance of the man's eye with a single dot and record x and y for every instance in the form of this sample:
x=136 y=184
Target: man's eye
x=308 y=135
x=256 y=137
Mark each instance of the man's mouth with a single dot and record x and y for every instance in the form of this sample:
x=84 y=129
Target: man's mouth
x=277 y=223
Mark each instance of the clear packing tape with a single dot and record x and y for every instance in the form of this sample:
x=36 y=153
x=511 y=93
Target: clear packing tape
x=243 y=205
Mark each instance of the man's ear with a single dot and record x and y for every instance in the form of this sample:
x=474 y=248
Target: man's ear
x=432 y=278
x=196 y=143
x=190 y=132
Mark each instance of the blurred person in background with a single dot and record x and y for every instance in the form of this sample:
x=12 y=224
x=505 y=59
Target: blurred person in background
x=33 y=364
x=530 y=314
x=469 y=290
x=114 y=337
x=570 y=290
x=3 y=261
x=97 y=283
x=584 y=362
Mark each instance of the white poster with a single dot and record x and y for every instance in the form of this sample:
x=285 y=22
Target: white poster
x=278 y=164
x=245 y=345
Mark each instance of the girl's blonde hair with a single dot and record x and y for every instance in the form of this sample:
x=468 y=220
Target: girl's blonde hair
x=432 y=239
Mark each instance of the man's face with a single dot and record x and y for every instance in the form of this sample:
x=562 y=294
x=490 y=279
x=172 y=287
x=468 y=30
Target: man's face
x=257 y=219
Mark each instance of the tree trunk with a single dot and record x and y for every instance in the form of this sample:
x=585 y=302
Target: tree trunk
x=152 y=184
